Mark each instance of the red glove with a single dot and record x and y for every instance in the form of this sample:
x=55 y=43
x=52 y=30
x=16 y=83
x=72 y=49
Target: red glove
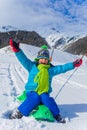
x=14 y=45
x=77 y=63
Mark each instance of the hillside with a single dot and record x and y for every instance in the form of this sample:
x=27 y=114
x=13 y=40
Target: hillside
x=78 y=47
x=75 y=44
x=29 y=37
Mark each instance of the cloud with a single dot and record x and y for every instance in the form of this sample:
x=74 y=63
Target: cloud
x=69 y=16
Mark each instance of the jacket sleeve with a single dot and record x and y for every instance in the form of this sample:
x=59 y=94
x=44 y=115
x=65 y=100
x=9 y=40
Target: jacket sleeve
x=27 y=63
x=62 y=68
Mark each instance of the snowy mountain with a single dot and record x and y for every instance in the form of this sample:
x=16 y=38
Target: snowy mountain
x=74 y=45
x=72 y=99
x=48 y=35
x=59 y=40
x=77 y=47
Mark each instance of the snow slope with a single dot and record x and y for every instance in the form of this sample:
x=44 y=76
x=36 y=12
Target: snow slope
x=72 y=100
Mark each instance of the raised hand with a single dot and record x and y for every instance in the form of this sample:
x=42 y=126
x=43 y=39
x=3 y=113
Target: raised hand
x=14 y=45
x=77 y=62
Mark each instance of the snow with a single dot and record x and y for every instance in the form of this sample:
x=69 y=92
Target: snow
x=51 y=39
x=61 y=41
x=72 y=99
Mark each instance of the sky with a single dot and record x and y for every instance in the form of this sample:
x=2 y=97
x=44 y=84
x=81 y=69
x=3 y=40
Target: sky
x=68 y=16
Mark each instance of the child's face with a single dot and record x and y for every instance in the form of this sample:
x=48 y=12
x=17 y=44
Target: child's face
x=43 y=61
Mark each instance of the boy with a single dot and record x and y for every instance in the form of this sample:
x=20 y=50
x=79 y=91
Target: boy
x=38 y=86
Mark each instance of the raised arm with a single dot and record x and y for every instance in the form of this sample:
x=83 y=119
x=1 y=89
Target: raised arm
x=66 y=67
x=27 y=63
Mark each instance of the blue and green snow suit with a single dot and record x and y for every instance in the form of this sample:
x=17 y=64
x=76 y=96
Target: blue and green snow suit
x=33 y=98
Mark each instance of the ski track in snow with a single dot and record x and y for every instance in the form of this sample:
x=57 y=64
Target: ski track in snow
x=12 y=75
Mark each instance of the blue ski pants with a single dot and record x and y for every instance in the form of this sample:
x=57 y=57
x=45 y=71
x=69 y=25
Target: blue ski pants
x=33 y=100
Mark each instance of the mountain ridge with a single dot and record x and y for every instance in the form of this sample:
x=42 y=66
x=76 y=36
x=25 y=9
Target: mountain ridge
x=28 y=37
x=78 y=47
x=74 y=44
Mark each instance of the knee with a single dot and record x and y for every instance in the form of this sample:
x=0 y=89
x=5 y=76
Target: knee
x=45 y=97
x=34 y=96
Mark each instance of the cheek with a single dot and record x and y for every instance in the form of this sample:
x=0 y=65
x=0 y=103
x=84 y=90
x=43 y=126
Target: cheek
x=40 y=61
x=46 y=61
x=43 y=61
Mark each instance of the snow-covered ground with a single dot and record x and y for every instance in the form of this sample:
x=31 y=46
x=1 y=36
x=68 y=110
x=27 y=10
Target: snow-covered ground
x=72 y=100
